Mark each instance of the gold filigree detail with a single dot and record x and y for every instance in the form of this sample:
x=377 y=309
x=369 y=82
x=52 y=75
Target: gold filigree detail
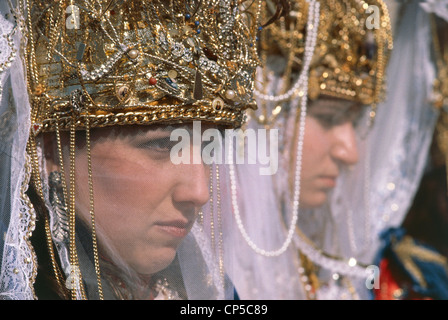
x=138 y=55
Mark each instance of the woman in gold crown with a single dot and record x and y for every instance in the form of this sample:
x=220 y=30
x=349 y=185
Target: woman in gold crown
x=93 y=204
x=323 y=75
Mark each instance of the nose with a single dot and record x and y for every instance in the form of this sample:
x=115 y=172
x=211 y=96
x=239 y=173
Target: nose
x=192 y=188
x=344 y=148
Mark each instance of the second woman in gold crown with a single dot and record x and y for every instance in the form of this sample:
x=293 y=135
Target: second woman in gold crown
x=324 y=69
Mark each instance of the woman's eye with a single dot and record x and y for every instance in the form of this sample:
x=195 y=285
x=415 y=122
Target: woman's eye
x=356 y=119
x=160 y=145
x=332 y=120
x=326 y=120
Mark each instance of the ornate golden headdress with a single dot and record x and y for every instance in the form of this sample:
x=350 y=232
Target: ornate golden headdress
x=352 y=47
x=139 y=61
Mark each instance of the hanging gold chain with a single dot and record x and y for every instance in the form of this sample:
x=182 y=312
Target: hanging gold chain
x=92 y=212
x=76 y=276
x=220 y=240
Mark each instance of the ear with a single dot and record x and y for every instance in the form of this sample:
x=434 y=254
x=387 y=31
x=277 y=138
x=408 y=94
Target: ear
x=51 y=152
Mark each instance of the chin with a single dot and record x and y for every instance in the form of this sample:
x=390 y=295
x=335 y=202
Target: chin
x=314 y=200
x=155 y=262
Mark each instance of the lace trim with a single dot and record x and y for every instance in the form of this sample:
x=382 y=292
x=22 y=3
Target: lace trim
x=19 y=265
x=7 y=50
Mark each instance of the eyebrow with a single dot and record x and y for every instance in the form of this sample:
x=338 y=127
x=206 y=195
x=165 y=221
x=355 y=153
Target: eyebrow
x=169 y=127
x=340 y=106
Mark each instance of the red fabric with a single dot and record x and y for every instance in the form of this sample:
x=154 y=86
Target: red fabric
x=394 y=285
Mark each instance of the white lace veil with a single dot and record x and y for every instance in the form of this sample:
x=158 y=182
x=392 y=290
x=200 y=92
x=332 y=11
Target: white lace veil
x=378 y=192
x=255 y=275
x=17 y=259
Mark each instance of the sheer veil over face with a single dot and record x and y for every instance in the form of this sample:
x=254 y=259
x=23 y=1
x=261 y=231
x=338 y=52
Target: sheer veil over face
x=329 y=146
x=144 y=204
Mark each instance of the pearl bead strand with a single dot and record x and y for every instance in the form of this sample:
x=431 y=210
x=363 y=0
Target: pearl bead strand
x=313 y=22
x=310 y=45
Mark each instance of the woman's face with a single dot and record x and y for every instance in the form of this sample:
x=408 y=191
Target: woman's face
x=329 y=144
x=144 y=204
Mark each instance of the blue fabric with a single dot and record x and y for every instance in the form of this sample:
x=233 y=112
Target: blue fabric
x=235 y=295
x=434 y=273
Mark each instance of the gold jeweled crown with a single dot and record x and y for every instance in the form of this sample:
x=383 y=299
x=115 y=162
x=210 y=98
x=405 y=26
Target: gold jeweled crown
x=352 y=47
x=140 y=61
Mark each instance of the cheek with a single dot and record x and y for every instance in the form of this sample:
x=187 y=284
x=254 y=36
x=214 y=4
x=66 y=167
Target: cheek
x=127 y=192
x=124 y=180
x=315 y=153
x=315 y=147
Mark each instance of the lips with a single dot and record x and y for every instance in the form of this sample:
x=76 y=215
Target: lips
x=327 y=181
x=175 y=228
